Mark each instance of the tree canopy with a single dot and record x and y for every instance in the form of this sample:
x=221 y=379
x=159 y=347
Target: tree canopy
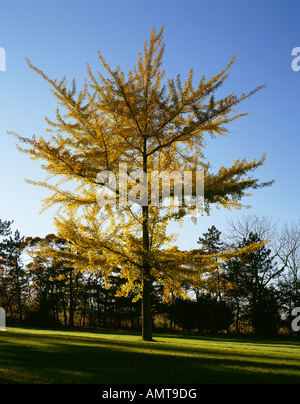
x=150 y=124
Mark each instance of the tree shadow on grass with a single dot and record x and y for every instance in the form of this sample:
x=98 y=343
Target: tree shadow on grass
x=104 y=359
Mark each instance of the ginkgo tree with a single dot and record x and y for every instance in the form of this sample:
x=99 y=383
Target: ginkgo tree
x=147 y=123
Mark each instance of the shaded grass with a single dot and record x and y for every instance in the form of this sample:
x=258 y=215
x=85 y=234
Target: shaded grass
x=55 y=356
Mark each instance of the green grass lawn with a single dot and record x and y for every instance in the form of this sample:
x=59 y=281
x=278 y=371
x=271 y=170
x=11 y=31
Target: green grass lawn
x=44 y=356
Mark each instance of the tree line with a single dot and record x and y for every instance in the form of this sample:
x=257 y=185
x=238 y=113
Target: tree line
x=254 y=292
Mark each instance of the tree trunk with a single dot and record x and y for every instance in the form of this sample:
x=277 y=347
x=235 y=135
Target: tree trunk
x=71 y=299
x=19 y=293
x=146 y=294
x=237 y=321
x=146 y=311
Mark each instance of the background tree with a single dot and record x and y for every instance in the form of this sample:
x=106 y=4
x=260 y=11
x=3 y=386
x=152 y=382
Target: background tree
x=14 y=283
x=5 y=296
x=206 y=314
x=56 y=280
x=240 y=228
x=151 y=125
x=251 y=276
x=5 y=227
x=287 y=249
x=211 y=243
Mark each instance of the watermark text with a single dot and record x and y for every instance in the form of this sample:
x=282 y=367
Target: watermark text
x=158 y=188
x=296 y=60
x=2 y=60
x=2 y=319
x=296 y=321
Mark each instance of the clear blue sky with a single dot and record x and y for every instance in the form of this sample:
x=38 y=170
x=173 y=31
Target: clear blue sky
x=60 y=37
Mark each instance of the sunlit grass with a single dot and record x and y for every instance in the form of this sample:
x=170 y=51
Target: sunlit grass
x=48 y=356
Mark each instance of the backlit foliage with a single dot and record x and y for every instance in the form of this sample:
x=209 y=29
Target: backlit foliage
x=149 y=123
